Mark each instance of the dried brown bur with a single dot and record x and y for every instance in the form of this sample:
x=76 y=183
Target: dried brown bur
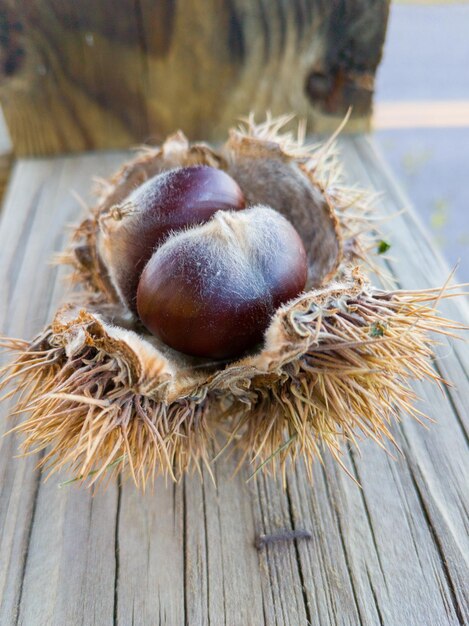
x=101 y=395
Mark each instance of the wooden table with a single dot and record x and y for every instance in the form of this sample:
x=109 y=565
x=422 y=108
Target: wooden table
x=394 y=552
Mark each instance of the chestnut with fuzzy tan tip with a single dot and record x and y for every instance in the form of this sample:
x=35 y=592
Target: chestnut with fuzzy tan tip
x=211 y=291
x=176 y=199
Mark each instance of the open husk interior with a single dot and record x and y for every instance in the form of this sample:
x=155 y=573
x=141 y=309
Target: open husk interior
x=101 y=395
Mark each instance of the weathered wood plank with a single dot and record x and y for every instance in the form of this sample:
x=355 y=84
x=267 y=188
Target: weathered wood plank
x=222 y=577
x=112 y=73
x=51 y=539
x=150 y=549
x=438 y=457
x=18 y=480
x=393 y=552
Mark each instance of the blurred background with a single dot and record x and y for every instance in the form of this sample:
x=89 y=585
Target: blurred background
x=421 y=116
x=72 y=80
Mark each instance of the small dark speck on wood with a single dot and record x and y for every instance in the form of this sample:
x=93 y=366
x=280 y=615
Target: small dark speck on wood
x=282 y=535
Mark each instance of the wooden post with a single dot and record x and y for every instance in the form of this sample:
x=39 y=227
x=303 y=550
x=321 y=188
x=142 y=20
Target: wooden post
x=109 y=73
x=6 y=157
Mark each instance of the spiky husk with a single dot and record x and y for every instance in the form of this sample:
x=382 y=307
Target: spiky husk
x=336 y=365
x=102 y=396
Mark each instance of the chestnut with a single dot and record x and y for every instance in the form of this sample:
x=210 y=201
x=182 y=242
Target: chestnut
x=211 y=291
x=168 y=202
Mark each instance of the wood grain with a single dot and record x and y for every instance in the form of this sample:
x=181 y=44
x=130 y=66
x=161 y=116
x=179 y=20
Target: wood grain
x=6 y=156
x=112 y=73
x=392 y=552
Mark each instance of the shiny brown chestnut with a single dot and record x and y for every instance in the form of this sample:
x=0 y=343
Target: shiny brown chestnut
x=168 y=202
x=211 y=291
